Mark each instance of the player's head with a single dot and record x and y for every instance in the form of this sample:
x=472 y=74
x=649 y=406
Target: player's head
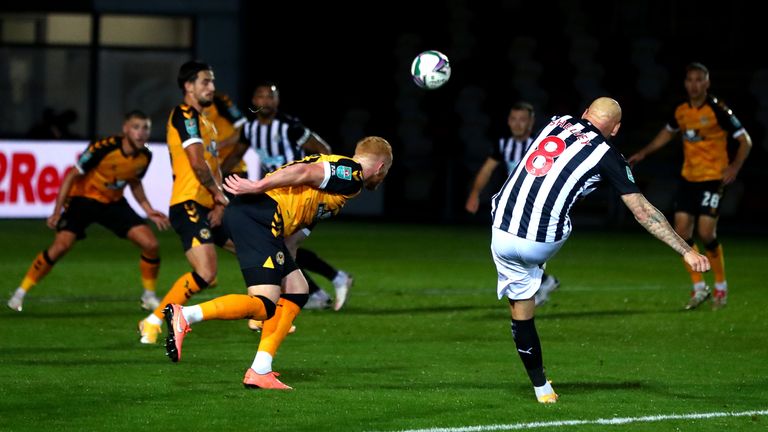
x=266 y=98
x=137 y=127
x=520 y=119
x=375 y=155
x=195 y=80
x=696 y=80
x=605 y=114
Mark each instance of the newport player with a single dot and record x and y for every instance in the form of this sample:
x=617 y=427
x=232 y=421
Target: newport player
x=228 y=121
x=278 y=139
x=706 y=123
x=197 y=199
x=264 y=222
x=93 y=193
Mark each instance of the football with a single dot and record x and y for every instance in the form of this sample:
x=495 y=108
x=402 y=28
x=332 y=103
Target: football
x=430 y=69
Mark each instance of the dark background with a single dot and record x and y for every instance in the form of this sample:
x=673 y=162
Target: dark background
x=343 y=69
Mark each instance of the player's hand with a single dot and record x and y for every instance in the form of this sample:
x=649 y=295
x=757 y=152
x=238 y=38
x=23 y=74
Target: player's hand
x=635 y=158
x=697 y=261
x=473 y=202
x=216 y=215
x=53 y=220
x=160 y=220
x=729 y=174
x=221 y=199
x=237 y=185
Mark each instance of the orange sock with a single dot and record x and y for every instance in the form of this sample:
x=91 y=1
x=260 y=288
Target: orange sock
x=696 y=277
x=276 y=328
x=181 y=291
x=149 y=267
x=717 y=262
x=234 y=306
x=37 y=271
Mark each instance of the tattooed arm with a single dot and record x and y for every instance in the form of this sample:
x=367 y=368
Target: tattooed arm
x=655 y=223
x=202 y=171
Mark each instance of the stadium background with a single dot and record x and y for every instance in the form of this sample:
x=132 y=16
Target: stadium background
x=343 y=69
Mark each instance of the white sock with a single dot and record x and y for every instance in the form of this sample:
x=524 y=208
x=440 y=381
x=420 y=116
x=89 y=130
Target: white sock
x=19 y=293
x=340 y=278
x=321 y=295
x=193 y=314
x=543 y=390
x=152 y=319
x=721 y=286
x=148 y=293
x=699 y=286
x=262 y=363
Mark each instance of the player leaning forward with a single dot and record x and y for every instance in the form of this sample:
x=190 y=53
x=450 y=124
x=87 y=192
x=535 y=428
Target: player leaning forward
x=266 y=220
x=567 y=160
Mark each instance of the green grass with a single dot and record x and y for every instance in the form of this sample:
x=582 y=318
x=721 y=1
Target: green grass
x=422 y=343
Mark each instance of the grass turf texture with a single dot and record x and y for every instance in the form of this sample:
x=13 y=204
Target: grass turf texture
x=421 y=343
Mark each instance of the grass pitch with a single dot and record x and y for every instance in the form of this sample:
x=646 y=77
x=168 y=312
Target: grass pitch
x=422 y=342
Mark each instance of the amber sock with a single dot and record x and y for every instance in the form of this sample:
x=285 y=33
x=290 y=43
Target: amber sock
x=37 y=270
x=276 y=328
x=184 y=287
x=714 y=252
x=232 y=307
x=149 y=268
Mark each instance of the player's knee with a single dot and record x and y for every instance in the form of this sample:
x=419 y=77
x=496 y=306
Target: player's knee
x=151 y=248
x=269 y=306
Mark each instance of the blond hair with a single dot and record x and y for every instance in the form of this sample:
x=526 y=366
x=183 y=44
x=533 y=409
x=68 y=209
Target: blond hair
x=376 y=147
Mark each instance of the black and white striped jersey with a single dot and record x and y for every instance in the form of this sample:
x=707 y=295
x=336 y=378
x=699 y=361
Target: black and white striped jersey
x=277 y=142
x=567 y=160
x=510 y=151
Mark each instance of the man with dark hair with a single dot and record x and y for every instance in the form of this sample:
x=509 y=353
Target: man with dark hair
x=197 y=199
x=92 y=192
x=706 y=124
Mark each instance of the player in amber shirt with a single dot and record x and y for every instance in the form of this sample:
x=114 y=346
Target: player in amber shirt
x=266 y=221
x=197 y=199
x=228 y=120
x=92 y=192
x=706 y=123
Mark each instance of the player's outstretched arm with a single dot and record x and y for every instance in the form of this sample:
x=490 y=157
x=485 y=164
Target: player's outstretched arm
x=654 y=221
x=159 y=218
x=66 y=185
x=662 y=138
x=300 y=174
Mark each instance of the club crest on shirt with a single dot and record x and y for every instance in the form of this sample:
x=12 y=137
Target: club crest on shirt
x=191 y=126
x=344 y=172
x=629 y=175
x=280 y=258
x=205 y=233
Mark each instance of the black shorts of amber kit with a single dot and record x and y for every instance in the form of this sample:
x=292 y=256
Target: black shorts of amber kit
x=81 y=212
x=699 y=198
x=261 y=251
x=190 y=221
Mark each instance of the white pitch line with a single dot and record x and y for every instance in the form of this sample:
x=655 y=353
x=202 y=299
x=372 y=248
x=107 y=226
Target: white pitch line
x=600 y=421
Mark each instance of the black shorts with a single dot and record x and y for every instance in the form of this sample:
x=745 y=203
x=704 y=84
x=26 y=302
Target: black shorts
x=80 y=212
x=699 y=198
x=190 y=221
x=261 y=251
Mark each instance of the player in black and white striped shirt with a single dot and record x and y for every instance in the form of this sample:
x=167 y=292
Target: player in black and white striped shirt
x=279 y=139
x=567 y=160
x=510 y=150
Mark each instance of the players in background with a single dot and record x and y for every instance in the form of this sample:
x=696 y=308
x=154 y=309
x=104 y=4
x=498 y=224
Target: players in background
x=279 y=139
x=531 y=219
x=197 y=198
x=92 y=192
x=266 y=220
x=706 y=123
x=510 y=149
x=228 y=121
